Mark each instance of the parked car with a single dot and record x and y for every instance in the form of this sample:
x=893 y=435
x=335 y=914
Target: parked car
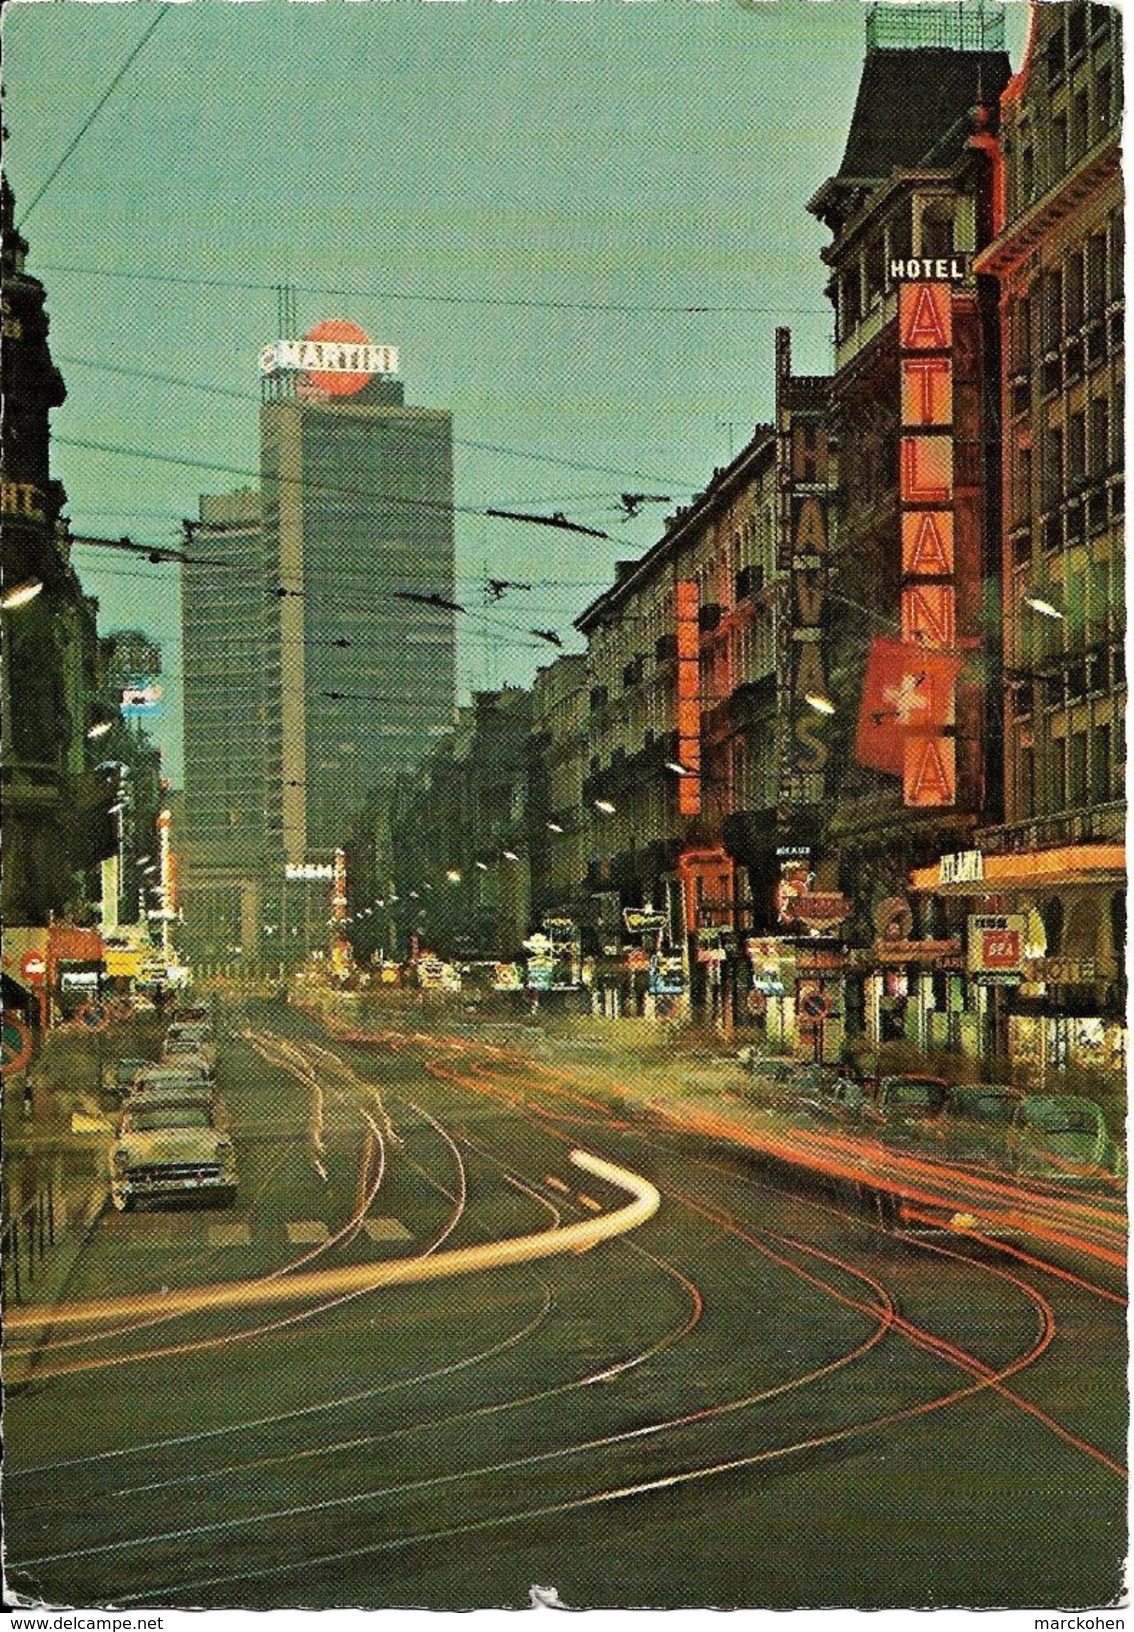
x=190 y=1095
x=117 y=1078
x=194 y=1037
x=1064 y=1136
x=835 y=1099
x=171 y=1152
x=978 y=1123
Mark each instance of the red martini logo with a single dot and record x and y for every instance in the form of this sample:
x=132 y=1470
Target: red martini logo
x=336 y=359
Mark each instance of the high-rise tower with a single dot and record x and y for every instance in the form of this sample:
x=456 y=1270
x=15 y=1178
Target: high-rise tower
x=347 y=682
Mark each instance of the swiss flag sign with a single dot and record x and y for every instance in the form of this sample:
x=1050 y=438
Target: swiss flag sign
x=906 y=690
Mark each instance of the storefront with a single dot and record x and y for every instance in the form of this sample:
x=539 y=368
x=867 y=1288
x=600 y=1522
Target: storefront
x=1055 y=1012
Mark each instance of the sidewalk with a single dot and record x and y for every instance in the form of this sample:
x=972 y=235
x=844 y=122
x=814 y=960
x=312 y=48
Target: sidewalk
x=55 y=1185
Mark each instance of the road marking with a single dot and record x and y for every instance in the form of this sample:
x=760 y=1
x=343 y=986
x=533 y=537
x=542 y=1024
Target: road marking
x=229 y=1235
x=306 y=1232
x=556 y=1184
x=589 y=1202
x=386 y=1229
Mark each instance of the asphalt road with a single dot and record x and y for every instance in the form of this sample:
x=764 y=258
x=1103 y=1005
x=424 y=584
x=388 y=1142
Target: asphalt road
x=759 y=1397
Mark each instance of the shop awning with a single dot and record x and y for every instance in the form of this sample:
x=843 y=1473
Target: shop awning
x=1030 y=870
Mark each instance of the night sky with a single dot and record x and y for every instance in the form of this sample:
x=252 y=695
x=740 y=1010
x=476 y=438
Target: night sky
x=526 y=198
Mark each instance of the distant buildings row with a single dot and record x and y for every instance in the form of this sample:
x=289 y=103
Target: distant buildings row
x=81 y=783
x=852 y=731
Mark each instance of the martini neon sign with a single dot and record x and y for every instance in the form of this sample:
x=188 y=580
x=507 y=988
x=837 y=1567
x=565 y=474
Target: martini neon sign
x=337 y=357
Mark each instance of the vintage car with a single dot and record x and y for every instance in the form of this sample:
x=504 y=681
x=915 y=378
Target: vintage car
x=118 y=1077
x=1065 y=1136
x=190 y=1037
x=171 y=1153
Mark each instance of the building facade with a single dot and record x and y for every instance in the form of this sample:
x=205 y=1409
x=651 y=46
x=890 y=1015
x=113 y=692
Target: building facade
x=1056 y=860
x=57 y=825
x=914 y=568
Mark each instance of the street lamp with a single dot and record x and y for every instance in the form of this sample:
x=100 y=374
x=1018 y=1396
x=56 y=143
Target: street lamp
x=605 y=806
x=20 y=594
x=555 y=827
x=453 y=875
x=483 y=865
x=820 y=703
x=1040 y=603
x=510 y=855
x=98 y=728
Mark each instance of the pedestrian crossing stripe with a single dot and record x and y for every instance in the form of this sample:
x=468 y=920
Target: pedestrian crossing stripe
x=385 y=1229
x=229 y=1235
x=306 y=1232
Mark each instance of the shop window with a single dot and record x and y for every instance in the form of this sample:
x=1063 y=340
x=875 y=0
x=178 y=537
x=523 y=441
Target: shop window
x=1052 y=914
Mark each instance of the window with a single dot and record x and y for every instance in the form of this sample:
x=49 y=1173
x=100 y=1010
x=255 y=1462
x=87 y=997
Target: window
x=1104 y=89
x=1027 y=175
x=1096 y=274
x=1080 y=124
x=1076 y=30
x=1073 y=272
x=1052 y=309
x=1053 y=468
x=1078 y=769
x=1058 y=775
x=1027 y=781
x=937 y=232
x=1117 y=247
x=1100 y=765
x=1076 y=450
x=1098 y=452
x=1057 y=146
x=1056 y=57
x=1022 y=333
x=1023 y=505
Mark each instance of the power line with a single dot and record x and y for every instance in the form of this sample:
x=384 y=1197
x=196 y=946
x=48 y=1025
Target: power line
x=405 y=502
x=93 y=115
x=208 y=388
x=525 y=303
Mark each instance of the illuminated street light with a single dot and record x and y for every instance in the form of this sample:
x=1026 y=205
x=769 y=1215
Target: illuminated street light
x=20 y=594
x=817 y=701
x=555 y=827
x=483 y=865
x=1039 y=603
x=678 y=770
x=453 y=875
x=605 y=806
x=510 y=855
x=99 y=729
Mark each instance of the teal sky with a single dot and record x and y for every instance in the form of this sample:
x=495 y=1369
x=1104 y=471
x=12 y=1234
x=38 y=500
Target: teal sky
x=510 y=193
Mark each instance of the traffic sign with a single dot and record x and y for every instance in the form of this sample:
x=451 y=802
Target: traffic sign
x=814 y=1004
x=34 y=965
x=16 y=1044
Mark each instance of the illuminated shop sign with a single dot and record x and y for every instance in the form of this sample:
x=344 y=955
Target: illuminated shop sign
x=932 y=269
x=686 y=628
x=926 y=714
x=802 y=544
x=306 y=872
x=337 y=358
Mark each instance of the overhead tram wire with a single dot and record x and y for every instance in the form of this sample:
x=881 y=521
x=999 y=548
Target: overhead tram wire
x=231 y=393
x=339 y=489
x=505 y=302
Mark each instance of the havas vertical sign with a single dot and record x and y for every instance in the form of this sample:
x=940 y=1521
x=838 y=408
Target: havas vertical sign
x=802 y=559
x=926 y=492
